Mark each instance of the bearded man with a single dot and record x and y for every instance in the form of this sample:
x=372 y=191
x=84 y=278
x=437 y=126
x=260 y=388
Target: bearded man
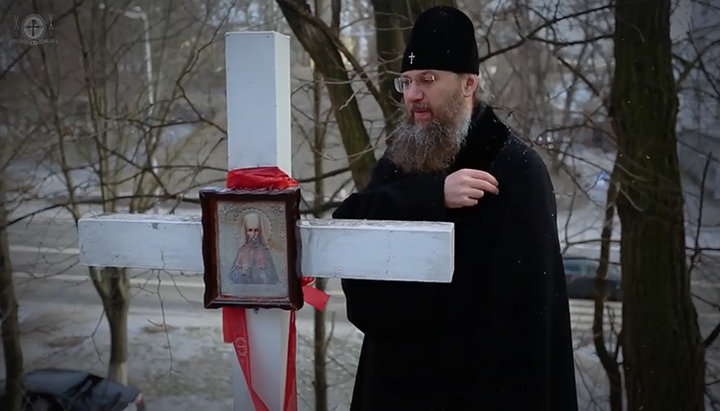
x=253 y=263
x=498 y=336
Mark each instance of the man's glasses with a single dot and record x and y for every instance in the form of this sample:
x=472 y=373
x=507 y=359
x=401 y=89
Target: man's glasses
x=402 y=84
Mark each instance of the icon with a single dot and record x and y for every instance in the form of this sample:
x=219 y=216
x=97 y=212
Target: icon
x=33 y=27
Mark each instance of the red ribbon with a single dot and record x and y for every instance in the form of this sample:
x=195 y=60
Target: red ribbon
x=234 y=319
x=235 y=332
x=259 y=177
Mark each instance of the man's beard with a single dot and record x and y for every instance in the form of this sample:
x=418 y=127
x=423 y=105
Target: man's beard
x=434 y=146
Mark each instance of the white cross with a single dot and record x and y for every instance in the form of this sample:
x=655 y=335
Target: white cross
x=258 y=100
x=412 y=56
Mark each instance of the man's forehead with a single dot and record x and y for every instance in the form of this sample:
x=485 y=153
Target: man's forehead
x=415 y=73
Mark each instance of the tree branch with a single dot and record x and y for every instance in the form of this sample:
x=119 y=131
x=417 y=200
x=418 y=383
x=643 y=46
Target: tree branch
x=332 y=36
x=696 y=253
x=526 y=37
x=690 y=65
x=325 y=207
x=323 y=176
x=609 y=363
x=577 y=72
x=713 y=335
x=558 y=43
x=701 y=64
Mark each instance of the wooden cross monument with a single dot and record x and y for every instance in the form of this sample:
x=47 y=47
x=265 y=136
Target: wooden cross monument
x=258 y=116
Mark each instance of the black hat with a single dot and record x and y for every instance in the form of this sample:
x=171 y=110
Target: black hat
x=443 y=38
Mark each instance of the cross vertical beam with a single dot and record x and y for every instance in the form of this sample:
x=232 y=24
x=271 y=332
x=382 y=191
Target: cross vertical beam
x=259 y=124
x=257 y=68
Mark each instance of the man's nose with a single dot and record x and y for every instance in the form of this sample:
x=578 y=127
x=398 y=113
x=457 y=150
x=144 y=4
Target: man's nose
x=413 y=93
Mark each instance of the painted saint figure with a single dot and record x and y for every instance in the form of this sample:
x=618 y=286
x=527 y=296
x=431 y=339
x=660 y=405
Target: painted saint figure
x=253 y=264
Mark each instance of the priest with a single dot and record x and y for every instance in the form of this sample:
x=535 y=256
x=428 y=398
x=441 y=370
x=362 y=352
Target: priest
x=498 y=336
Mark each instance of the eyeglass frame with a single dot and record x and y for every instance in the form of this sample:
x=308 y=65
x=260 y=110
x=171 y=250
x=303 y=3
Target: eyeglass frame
x=425 y=81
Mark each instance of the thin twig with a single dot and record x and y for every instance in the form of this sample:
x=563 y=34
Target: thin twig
x=696 y=253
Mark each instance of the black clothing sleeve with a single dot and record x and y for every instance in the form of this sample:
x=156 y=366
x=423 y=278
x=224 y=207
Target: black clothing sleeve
x=394 y=195
x=530 y=315
x=388 y=308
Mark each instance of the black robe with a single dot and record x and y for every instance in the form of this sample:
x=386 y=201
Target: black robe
x=498 y=336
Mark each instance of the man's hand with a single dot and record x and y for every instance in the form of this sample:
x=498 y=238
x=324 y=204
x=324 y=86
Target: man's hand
x=465 y=187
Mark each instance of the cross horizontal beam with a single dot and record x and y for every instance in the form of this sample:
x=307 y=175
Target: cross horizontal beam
x=162 y=242
x=381 y=250
x=387 y=250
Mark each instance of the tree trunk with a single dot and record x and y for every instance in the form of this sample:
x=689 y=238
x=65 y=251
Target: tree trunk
x=116 y=302
x=319 y=199
x=329 y=63
x=111 y=283
x=320 y=355
x=319 y=132
x=392 y=28
x=608 y=361
x=9 y=315
x=319 y=316
x=662 y=348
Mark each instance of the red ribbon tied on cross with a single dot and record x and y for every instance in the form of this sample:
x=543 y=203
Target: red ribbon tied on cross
x=234 y=318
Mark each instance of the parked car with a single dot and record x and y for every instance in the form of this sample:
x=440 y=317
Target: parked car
x=72 y=390
x=580 y=278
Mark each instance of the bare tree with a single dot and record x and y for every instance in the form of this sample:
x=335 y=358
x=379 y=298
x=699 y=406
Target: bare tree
x=111 y=140
x=323 y=45
x=318 y=143
x=12 y=350
x=608 y=360
x=663 y=354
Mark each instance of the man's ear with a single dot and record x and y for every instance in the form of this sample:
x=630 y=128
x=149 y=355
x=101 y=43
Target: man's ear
x=470 y=83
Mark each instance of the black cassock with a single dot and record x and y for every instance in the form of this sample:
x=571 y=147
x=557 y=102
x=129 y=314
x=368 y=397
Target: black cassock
x=498 y=336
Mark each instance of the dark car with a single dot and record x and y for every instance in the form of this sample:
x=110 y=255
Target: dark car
x=580 y=278
x=71 y=390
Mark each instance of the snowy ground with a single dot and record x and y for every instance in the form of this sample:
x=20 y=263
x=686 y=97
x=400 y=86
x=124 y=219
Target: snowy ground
x=188 y=367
